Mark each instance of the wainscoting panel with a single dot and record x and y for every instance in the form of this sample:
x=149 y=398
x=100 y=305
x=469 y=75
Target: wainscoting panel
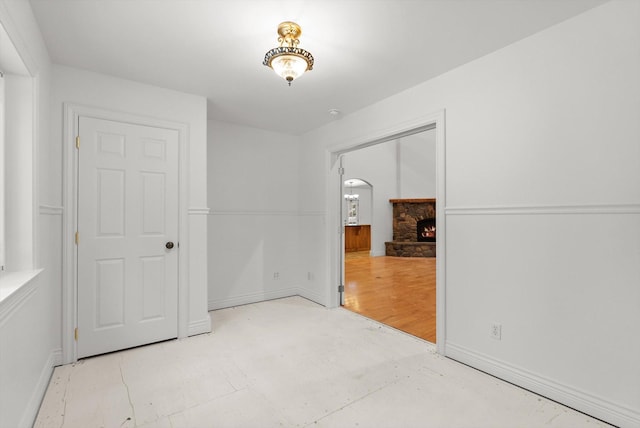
x=252 y=257
x=555 y=279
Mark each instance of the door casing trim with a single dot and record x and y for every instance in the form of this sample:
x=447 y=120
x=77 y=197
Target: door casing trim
x=71 y=115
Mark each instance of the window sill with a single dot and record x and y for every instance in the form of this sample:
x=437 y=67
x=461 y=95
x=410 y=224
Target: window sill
x=15 y=287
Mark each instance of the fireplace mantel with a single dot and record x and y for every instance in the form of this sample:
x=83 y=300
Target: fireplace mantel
x=413 y=201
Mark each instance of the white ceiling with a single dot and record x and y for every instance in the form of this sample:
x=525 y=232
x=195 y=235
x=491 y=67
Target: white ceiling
x=365 y=50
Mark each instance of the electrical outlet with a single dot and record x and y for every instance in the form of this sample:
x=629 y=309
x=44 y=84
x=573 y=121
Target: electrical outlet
x=309 y=276
x=496 y=331
x=276 y=275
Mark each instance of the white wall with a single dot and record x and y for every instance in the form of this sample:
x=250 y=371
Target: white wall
x=542 y=207
x=27 y=354
x=376 y=165
x=417 y=165
x=30 y=326
x=29 y=318
x=19 y=172
x=108 y=93
x=253 y=223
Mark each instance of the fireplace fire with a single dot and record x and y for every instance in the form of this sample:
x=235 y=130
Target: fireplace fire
x=426 y=230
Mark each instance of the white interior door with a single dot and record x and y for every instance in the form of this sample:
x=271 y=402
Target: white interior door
x=127 y=222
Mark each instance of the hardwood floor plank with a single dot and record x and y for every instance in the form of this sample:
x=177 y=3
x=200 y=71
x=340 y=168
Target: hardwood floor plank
x=397 y=291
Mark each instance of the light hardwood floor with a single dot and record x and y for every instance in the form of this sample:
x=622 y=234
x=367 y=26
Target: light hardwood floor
x=397 y=291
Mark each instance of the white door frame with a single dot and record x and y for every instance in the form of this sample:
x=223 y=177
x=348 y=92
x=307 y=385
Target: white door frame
x=334 y=221
x=72 y=113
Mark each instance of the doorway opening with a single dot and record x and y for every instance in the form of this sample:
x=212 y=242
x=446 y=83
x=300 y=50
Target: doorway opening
x=391 y=278
x=334 y=181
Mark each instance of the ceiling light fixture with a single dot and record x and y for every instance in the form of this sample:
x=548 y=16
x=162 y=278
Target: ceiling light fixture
x=288 y=60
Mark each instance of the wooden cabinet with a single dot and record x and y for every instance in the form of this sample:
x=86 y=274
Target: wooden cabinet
x=357 y=238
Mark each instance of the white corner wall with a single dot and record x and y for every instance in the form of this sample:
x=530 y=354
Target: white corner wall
x=542 y=207
x=83 y=88
x=253 y=223
x=30 y=317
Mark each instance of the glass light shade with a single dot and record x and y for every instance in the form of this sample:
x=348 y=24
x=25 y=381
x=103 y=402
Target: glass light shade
x=288 y=60
x=289 y=67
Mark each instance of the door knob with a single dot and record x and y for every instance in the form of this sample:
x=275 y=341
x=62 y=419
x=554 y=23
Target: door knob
x=169 y=245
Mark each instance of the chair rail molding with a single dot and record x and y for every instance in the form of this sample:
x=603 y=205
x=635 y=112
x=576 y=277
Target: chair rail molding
x=51 y=210
x=545 y=209
x=198 y=211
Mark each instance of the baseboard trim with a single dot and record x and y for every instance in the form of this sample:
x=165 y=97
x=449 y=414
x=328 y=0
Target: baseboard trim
x=33 y=406
x=571 y=397
x=313 y=296
x=57 y=357
x=199 y=327
x=246 y=299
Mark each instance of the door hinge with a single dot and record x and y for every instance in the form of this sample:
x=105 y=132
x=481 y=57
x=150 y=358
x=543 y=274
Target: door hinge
x=75 y=334
x=340 y=288
x=78 y=142
x=77 y=238
x=341 y=171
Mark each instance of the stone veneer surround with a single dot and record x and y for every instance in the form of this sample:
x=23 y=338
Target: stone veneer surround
x=406 y=214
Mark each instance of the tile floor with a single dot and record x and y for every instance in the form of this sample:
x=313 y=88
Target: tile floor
x=290 y=363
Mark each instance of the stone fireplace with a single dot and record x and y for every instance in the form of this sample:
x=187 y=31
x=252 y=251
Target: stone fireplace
x=414 y=228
